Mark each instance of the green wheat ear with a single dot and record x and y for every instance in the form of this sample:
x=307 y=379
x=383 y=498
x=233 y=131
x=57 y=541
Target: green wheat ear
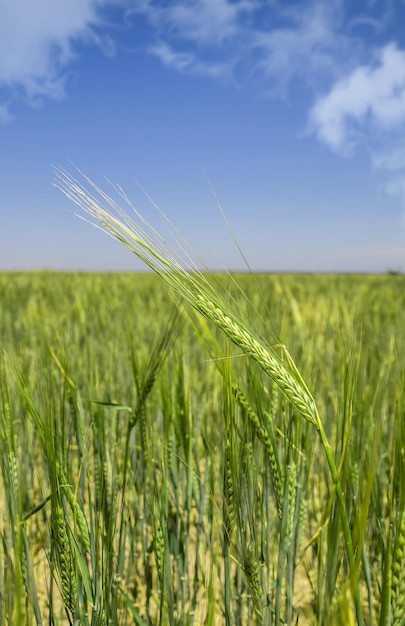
x=65 y=558
x=398 y=574
x=152 y=249
x=149 y=246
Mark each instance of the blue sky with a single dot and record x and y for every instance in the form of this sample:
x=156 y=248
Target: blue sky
x=295 y=111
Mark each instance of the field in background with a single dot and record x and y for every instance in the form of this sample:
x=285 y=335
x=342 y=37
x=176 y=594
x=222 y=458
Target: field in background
x=152 y=474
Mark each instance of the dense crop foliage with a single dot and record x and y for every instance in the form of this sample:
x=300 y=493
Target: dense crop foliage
x=153 y=473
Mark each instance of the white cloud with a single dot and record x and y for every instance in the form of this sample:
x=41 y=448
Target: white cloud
x=5 y=114
x=368 y=102
x=390 y=160
x=307 y=46
x=367 y=108
x=187 y=62
x=201 y=21
x=37 y=42
x=248 y=39
x=203 y=37
x=389 y=165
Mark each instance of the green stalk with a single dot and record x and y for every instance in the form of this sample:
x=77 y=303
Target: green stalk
x=344 y=518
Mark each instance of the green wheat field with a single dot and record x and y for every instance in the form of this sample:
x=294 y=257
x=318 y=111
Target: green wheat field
x=186 y=448
x=153 y=473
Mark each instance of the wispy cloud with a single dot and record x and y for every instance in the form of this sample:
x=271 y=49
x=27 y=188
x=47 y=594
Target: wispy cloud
x=274 y=41
x=367 y=109
x=389 y=165
x=203 y=37
x=205 y=22
x=188 y=62
x=37 y=44
x=306 y=47
x=370 y=100
x=5 y=112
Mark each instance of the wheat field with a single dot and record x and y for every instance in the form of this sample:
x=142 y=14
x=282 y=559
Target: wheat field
x=153 y=471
